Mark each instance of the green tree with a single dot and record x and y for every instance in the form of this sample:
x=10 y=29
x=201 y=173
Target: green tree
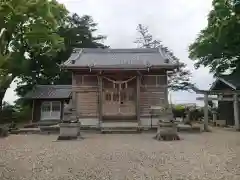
x=179 y=79
x=217 y=45
x=24 y=24
x=77 y=32
x=5 y=78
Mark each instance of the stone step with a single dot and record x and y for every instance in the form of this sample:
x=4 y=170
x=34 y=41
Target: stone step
x=119 y=124
x=120 y=130
x=26 y=131
x=119 y=120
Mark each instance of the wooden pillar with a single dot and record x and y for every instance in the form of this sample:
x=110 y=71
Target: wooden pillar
x=100 y=99
x=74 y=94
x=205 y=112
x=187 y=119
x=138 y=99
x=166 y=102
x=62 y=111
x=33 y=110
x=236 y=111
x=214 y=117
x=214 y=113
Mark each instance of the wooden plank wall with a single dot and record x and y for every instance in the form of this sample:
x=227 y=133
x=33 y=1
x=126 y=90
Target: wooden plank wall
x=86 y=89
x=152 y=94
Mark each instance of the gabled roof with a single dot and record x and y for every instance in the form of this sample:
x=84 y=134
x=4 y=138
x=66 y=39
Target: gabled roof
x=232 y=80
x=120 y=58
x=50 y=92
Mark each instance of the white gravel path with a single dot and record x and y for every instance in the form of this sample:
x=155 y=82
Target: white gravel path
x=207 y=156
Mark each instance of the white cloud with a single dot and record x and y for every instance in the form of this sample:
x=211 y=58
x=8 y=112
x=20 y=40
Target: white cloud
x=175 y=22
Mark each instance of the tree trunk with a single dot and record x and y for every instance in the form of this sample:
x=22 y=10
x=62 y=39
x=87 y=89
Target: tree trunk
x=1 y=102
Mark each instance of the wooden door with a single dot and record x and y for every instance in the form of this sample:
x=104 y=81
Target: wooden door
x=119 y=102
x=110 y=102
x=127 y=105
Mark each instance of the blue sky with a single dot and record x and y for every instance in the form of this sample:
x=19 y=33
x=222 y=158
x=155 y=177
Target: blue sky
x=175 y=22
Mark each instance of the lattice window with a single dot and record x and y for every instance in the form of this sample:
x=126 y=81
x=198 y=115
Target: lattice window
x=161 y=80
x=56 y=106
x=151 y=80
x=86 y=80
x=46 y=106
x=115 y=96
x=50 y=110
x=108 y=96
x=123 y=96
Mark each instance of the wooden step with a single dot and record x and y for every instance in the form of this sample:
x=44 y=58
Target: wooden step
x=119 y=127
x=127 y=118
x=119 y=124
x=119 y=130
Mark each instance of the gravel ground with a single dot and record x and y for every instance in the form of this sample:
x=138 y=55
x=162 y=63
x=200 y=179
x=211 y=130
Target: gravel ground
x=204 y=156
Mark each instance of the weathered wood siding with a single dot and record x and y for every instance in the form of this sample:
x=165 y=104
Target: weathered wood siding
x=86 y=92
x=153 y=92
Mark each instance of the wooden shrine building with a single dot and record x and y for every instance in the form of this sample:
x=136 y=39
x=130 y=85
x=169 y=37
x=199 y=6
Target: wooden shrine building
x=227 y=89
x=119 y=87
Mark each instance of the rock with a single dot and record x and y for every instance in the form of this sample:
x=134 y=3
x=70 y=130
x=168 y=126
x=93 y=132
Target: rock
x=3 y=132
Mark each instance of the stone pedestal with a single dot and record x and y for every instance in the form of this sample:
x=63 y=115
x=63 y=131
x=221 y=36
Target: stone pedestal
x=167 y=131
x=70 y=126
x=69 y=131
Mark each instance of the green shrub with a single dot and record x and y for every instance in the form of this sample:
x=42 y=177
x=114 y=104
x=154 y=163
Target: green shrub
x=15 y=113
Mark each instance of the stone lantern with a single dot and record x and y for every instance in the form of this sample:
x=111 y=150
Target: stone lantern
x=167 y=128
x=70 y=126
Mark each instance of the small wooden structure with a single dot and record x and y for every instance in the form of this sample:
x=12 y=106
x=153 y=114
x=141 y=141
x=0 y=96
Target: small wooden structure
x=227 y=90
x=48 y=102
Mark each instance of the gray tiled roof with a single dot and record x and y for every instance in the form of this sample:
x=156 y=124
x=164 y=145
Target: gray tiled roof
x=233 y=79
x=50 y=92
x=120 y=58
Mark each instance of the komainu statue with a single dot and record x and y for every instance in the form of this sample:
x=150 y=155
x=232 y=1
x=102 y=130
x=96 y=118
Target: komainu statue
x=167 y=128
